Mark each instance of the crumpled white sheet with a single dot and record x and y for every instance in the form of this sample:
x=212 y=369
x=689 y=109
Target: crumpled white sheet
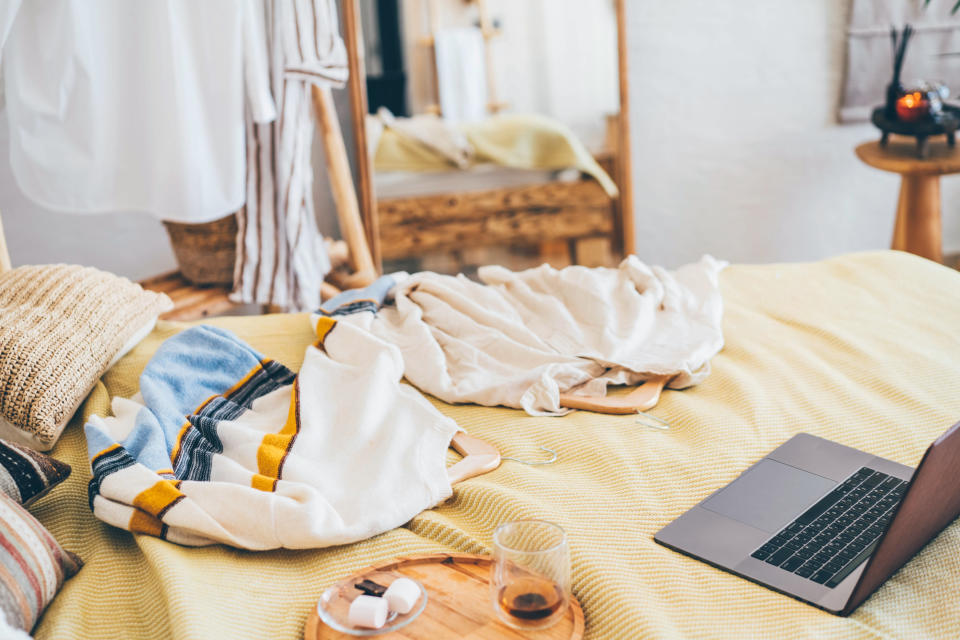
x=522 y=338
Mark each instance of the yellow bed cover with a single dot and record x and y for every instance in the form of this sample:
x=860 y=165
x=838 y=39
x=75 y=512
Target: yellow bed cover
x=862 y=349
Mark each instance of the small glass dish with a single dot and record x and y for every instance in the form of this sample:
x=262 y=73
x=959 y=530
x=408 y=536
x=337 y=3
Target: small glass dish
x=334 y=605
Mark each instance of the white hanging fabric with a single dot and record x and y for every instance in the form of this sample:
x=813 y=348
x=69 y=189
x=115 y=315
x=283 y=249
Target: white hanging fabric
x=281 y=258
x=133 y=105
x=461 y=73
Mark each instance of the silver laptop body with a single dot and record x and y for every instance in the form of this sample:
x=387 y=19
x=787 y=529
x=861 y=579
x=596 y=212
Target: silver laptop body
x=733 y=528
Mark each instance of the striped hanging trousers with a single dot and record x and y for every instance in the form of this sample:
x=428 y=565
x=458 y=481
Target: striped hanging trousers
x=281 y=256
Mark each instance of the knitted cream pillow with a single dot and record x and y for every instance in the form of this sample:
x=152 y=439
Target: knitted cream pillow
x=61 y=327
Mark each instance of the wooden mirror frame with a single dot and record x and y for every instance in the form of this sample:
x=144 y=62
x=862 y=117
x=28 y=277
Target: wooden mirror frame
x=353 y=39
x=357 y=87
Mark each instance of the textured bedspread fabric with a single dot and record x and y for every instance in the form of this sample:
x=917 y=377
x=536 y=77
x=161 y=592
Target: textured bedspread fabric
x=862 y=349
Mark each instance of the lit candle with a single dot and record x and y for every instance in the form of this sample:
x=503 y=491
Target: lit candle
x=912 y=107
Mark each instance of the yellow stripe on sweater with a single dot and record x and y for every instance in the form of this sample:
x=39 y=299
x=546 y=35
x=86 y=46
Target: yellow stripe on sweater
x=274 y=448
x=141 y=522
x=324 y=327
x=158 y=499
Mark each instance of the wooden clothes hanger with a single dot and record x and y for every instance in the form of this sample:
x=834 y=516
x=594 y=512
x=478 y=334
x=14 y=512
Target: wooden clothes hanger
x=479 y=457
x=482 y=457
x=640 y=399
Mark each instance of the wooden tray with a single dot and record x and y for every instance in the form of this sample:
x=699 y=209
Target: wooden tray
x=458 y=605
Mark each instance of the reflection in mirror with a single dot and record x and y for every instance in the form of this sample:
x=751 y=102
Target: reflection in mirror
x=493 y=127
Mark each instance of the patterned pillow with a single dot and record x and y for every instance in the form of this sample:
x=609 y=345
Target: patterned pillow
x=26 y=475
x=33 y=566
x=61 y=326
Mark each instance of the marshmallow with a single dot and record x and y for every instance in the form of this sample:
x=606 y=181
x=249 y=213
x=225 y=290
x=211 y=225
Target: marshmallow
x=402 y=594
x=368 y=611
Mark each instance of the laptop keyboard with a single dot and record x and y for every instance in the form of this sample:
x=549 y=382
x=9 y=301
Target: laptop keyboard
x=831 y=538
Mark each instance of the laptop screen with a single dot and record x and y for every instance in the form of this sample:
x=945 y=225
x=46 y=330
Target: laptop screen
x=932 y=501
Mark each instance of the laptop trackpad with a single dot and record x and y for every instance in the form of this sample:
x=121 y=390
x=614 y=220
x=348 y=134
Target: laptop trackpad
x=769 y=495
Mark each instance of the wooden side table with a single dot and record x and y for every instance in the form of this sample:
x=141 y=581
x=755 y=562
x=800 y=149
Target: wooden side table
x=917 y=228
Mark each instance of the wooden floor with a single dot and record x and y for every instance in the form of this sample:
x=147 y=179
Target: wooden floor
x=190 y=302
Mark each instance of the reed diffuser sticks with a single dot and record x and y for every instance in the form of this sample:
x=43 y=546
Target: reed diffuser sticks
x=899 y=42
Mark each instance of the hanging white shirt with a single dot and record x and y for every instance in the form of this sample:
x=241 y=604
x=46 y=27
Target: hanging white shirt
x=134 y=105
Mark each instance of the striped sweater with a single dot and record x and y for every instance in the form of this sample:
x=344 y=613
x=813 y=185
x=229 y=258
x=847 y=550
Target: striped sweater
x=225 y=445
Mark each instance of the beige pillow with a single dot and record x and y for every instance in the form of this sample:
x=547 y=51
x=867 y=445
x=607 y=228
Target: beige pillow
x=61 y=327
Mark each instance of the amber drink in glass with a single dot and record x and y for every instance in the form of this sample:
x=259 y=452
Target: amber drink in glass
x=530 y=575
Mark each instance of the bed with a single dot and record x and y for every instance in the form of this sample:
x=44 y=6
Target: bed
x=862 y=349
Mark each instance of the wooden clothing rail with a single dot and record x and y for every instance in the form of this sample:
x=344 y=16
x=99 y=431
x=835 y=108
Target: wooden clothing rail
x=344 y=193
x=357 y=89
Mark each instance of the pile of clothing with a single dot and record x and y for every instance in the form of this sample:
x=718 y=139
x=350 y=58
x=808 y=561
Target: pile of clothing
x=223 y=444
x=520 y=339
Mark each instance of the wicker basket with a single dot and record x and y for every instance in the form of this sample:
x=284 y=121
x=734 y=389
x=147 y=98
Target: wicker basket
x=205 y=252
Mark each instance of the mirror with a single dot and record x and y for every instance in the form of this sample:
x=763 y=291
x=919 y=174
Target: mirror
x=494 y=132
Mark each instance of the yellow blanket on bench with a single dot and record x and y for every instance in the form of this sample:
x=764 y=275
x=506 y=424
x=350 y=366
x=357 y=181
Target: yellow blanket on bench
x=861 y=349
x=518 y=141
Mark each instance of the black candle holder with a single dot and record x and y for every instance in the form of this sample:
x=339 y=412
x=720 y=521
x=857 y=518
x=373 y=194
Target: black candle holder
x=942 y=119
x=946 y=123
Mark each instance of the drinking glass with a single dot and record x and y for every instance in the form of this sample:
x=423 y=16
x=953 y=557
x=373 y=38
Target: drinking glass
x=530 y=576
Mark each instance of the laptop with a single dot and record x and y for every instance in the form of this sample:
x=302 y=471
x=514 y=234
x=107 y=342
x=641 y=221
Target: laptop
x=822 y=522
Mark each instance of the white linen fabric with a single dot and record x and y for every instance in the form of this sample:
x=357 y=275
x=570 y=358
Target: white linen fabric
x=461 y=73
x=281 y=256
x=225 y=445
x=133 y=105
x=521 y=338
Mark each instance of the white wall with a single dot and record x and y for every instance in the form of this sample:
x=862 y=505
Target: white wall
x=735 y=147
